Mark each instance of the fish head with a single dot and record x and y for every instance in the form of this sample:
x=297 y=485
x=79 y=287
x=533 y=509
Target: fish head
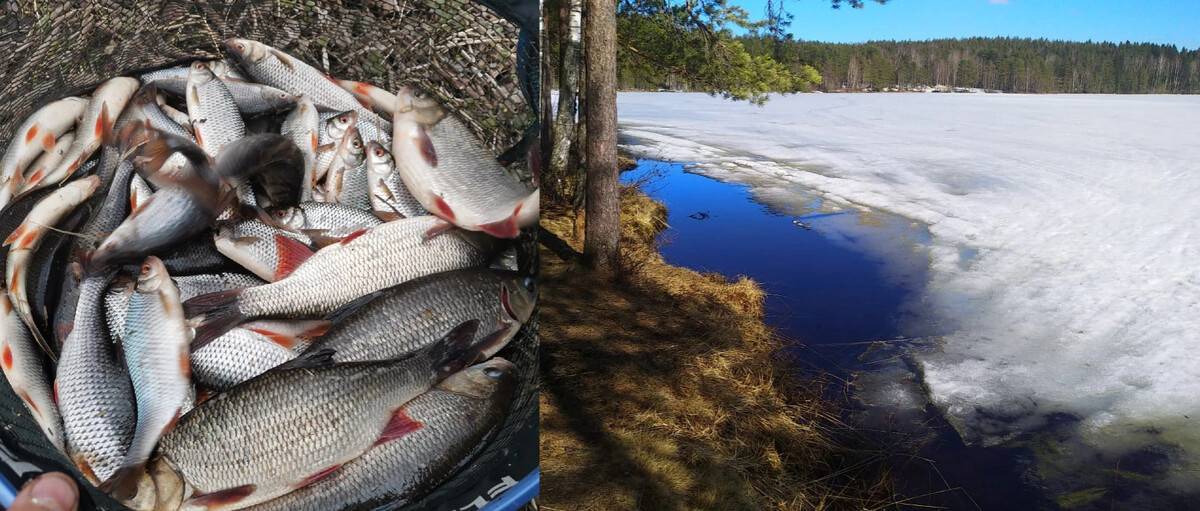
x=161 y=487
x=278 y=99
x=218 y=67
x=418 y=105
x=245 y=49
x=518 y=296
x=483 y=379
x=289 y=218
x=337 y=125
x=153 y=275
x=355 y=150
x=378 y=158
x=200 y=74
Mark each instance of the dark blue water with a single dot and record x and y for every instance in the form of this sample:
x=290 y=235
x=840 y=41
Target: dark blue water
x=822 y=291
x=837 y=282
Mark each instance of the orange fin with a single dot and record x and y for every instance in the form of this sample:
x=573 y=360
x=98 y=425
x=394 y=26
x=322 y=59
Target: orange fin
x=222 y=498
x=292 y=254
x=439 y=228
x=398 y=425
x=354 y=235
x=506 y=228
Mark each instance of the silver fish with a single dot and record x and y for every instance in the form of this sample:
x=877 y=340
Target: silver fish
x=340 y=177
x=21 y=361
x=371 y=96
x=95 y=395
x=402 y=319
x=235 y=357
x=28 y=236
x=116 y=306
x=35 y=136
x=278 y=69
x=453 y=175
x=48 y=161
x=301 y=127
x=390 y=198
x=263 y=439
x=332 y=134
x=214 y=116
x=266 y=251
x=449 y=425
x=156 y=353
x=387 y=255
x=108 y=100
x=195 y=285
x=169 y=217
x=322 y=221
x=139 y=192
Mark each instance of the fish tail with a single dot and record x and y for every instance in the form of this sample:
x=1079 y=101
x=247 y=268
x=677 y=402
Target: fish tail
x=123 y=484
x=454 y=351
x=221 y=314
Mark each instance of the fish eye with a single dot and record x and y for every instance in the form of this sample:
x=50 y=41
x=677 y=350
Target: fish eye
x=379 y=152
x=420 y=94
x=145 y=269
x=280 y=213
x=492 y=372
x=344 y=119
x=358 y=144
x=530 y=284
x=282 y=95
x=240 y=47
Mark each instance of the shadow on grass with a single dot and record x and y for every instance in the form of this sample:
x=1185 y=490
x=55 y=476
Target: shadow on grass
x=664 y=390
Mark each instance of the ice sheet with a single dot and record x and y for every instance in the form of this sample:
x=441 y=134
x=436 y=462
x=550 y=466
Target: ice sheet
x=1084 y=294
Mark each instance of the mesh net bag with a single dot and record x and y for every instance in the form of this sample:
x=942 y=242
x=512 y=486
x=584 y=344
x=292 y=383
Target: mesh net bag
x=475 y=61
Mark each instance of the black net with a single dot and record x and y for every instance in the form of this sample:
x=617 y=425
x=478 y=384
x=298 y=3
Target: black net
x=479 y=63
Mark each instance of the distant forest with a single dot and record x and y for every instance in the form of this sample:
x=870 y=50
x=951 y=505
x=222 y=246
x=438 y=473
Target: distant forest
x=1004 y=64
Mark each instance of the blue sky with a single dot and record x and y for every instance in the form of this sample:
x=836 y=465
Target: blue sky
x=1158 y=21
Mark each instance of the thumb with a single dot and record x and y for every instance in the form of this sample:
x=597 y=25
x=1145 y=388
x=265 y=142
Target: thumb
x=52 y=491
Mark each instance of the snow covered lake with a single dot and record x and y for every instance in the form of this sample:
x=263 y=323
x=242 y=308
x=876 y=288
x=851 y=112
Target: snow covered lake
x=1065 y=239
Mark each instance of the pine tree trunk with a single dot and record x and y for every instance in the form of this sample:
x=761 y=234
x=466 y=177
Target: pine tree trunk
x=602 y=231
x=568 y=181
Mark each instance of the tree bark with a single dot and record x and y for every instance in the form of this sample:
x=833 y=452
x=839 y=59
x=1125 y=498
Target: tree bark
x=602 y=232
x=568 y=181
x=544 y=132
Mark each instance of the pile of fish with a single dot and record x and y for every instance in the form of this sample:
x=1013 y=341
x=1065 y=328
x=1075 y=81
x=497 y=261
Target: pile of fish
x=223 y=291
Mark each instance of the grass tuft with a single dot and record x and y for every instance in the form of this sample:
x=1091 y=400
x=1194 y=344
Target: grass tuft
x=663 y=389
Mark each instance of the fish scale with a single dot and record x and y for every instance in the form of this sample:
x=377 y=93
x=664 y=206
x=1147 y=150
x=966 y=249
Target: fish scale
x=21 y=362
x=389 y=254
x=155 y=345
x=95 y=395
x=236 y=357
x=403 y=319
x=336 y=220
x=453 y=427
x=453 y=175
x=235 y=440
x=212 y=111
x=196 y=285
x=301 y=127
x=387 y=191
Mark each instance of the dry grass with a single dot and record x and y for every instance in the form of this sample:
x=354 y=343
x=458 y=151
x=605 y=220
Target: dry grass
x=665 y=390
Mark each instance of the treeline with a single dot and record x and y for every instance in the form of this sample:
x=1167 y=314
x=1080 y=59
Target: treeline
x=1002 y=63
x=1006 y=64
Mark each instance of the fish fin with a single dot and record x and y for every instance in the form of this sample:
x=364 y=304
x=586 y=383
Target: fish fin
x=223 y=498
x=312 y=358
x=505 y=229
x=388 y=216
x=439 y=228
x=282 y=339
x=442 y=208
x=221 y=314
x=495 y=341
x=350 y=307
x=325 y=148
x=243 y=241
x=317 y=328
x=41 y=341
x=292 y=254
x=399 y=425
x=354 y=235
x=284 y=59
x=326 y=472
x=319 y=237
x=453 y=351
x=123 y=485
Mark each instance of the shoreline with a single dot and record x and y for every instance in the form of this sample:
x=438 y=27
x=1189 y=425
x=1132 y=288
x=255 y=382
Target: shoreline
x=656 y=394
